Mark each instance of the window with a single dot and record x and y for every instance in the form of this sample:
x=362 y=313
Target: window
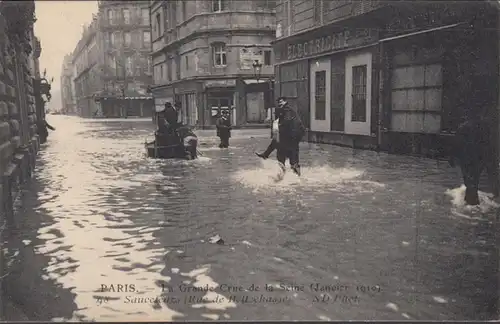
x=186 y=59
x=417 y=92
x=112 y=62
x=219 y=53
x=287 y=21
x=267 y=58
x=318 y=12
x=129 y=65
x=358 y=113
x=320 y=95
x=184 y=11
x=146 y=39
x=158 y=25
x=149 y=64
x=145 y=16
x=127 y=39
x=114 y=39
x=218 y=5
x=126 y=16
x=169 y=69
x=161 y=76
x=111 y=17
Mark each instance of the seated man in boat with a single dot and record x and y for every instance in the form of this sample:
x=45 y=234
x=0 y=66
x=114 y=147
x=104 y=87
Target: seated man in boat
x=167 y=123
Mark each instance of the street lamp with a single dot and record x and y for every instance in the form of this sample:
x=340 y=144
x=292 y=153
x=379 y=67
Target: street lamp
x=257 y=67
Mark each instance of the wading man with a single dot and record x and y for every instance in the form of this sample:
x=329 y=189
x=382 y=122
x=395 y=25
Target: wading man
x=291 y=131
x=474 y=152
x=223 y=125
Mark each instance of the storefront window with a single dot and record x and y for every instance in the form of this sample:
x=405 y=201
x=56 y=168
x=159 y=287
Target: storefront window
x=416 y=98
x=358 y=93
x=320 y=96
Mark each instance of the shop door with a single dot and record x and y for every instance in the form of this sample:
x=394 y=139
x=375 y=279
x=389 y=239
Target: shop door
x=358 y=94
x=256 y=112
x=320 y=95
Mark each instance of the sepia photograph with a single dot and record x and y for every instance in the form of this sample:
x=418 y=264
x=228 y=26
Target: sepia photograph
x=249 y=160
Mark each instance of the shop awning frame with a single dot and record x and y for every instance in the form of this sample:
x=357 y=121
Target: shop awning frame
x=422 y=32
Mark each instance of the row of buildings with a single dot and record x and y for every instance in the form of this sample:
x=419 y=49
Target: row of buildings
x=391 y=75
x=109 y=72
x=207 y=55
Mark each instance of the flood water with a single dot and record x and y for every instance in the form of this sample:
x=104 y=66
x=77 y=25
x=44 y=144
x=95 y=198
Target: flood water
x=105 y=233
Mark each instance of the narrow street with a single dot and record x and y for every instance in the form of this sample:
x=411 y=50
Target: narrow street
x=360 y=236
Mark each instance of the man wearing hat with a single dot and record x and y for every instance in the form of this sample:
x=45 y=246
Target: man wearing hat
x=223 y=125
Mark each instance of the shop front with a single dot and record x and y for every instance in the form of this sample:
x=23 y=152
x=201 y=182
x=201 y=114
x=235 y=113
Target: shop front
x=435 y=76
x=331 y=79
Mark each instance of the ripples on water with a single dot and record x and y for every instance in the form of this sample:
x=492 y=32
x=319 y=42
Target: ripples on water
x=121 y=218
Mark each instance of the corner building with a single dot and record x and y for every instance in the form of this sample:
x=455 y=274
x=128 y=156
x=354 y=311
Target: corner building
x=203 y=53
x=387 y=75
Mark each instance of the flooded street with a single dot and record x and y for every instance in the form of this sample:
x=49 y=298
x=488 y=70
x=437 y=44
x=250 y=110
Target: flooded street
x=107 y=234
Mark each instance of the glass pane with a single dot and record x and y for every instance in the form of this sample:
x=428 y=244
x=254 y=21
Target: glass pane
x=358 y=113
x=320 y=95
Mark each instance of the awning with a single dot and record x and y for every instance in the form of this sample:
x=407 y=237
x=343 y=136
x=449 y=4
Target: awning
x=422 y=32
x=254 y=81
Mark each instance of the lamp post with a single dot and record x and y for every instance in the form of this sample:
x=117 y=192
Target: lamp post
x=257 y=69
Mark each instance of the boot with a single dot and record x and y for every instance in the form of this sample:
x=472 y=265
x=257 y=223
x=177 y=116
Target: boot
x=296 y=169
x=471 y=196
x=261 y=155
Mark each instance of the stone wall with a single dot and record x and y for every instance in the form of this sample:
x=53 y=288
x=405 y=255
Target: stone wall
x=18 y=139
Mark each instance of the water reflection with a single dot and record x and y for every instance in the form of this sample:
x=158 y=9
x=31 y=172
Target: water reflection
x=113 y=217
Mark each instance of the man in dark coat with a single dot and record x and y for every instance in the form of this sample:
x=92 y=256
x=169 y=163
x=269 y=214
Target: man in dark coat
x=167 y=123
x=223 y=125
x=291 y=131
x=472 y=148
x=42 y=126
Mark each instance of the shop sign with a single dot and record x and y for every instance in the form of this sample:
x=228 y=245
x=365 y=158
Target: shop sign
x=329 y=43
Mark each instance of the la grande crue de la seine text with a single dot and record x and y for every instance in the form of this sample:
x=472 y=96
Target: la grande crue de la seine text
x=315 y=287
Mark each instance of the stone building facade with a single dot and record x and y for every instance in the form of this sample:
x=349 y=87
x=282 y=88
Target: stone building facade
x=18 y=115
x=125 y=42
x=66 y=81
x=86 y=74
x=111 y=65
x=203 y=54
x=387 y=75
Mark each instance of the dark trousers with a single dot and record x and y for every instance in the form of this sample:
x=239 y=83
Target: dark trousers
x=289 y=151
x=471 y=172
x=224 y=141
x=272 y=146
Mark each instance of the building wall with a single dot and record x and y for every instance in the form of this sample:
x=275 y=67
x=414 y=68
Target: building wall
x=416 y=88
x=188 y=39
x=125 y=61
x=66 y=84
x=18 y=141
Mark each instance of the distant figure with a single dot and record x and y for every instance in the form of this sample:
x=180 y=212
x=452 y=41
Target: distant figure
x=472 y=148
x=223 y=125
x=291 y=131
x=43 y=133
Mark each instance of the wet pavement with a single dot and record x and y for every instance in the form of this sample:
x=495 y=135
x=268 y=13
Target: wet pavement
x=107 y=234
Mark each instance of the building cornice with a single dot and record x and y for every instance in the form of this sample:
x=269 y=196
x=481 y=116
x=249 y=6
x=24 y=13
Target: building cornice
x=214 y=32
x=242 y=76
